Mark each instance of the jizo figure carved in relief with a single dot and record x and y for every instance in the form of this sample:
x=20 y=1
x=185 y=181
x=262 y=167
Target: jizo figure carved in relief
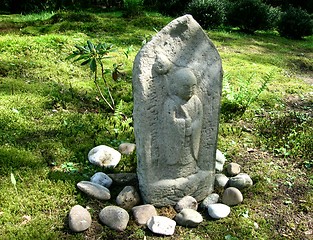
x=177 y=80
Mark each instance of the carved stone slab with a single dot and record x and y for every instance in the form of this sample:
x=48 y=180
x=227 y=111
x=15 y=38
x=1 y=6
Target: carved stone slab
x=177 y=82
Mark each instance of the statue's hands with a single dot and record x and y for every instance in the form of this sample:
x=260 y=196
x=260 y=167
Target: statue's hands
x=188 y=126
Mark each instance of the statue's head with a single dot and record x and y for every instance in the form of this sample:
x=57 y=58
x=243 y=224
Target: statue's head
x=183 y=83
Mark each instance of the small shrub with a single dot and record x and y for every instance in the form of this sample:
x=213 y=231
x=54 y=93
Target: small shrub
x=208 y=13
x=274 y=15
x=248 y=15
x=295 y=23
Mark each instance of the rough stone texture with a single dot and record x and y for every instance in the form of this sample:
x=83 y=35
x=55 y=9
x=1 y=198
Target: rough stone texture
x=188 y=218
x=233 y=169
x=242 y=180
x=211 y=199
x=126 y=148
x=101 y=179
x=114 y=217
x=161 y=225
x=94 y=190
x=218 y=210
x=232 y=196
x=221 y=180
x=143 y=213
x=79 y=219
x=124 y=178
x=186 y=202
x=220 y=160
x=104 y=156
x=177 y=80
x=128 y=198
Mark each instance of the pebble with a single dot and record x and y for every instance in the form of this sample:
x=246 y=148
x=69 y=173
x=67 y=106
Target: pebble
x=104 y=156
x=128 y=198
x=124 y=178
x=233 y=169
x=218 y=210
x=188 y=218
x=101 y=179
x=232 y=196
x=242 y=180
x=220 y=180
x=186 y=202
x=220 y=160
x=114 y=217
x=126 y=148
x=143 y=213
x=211 y=199
x=79 y=219
x=161 y=225
x=94 y=190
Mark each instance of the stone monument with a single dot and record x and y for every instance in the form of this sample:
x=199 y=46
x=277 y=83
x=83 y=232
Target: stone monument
x=177 y=83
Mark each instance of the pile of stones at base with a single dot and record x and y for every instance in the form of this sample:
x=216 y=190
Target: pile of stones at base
x=128 y=200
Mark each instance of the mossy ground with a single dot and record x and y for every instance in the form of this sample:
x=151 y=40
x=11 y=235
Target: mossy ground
x=51 y=117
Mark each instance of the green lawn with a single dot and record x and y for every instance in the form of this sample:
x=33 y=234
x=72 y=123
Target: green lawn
x=51 y=116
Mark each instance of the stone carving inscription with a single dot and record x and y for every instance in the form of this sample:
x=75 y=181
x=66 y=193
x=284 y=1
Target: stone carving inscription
x=177 y=88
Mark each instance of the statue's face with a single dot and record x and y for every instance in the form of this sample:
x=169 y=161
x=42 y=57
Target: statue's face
x=186 y=84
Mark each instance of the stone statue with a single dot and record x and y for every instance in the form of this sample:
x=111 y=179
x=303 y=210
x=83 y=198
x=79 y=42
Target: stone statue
x=177 y=81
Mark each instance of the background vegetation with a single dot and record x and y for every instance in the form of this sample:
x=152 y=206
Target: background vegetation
x=52 y=115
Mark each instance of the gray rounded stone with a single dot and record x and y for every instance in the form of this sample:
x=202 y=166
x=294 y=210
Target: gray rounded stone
x=220 y=160
x=104 y=156
x=211 y=199
x=114 y=217
x=188 y=218
x=128 y=198
x=101 y=179
x=242 y=180
x=232 y=196
x=233 y=169
x=143 y=213
x=220 y=180
x=79 y=219
x=94 y=190
x=126 y=148
x=161 y=225
x=186 y=202
x=218 y=210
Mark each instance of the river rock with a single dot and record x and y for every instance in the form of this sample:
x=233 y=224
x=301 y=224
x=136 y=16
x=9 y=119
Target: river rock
x=124 y=178
x=232 y=196
x=126 y=148
x=242 y=180
x=94 y=190
x=220 y=160
x=101 y=179
x=233 y=169
x=186 y=202
x=104 y=156
x=218 y=210
x=211 y=199
x=143 y=213
x=114 y=217
x=161 y=225
x=221 y=180
x=128 y=198
x=79 y=219
x=188 y=218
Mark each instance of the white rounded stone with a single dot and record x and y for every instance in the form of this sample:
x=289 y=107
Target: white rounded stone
x=143 y=213
x=79 y=219
x=211 y=199
x=114 y=217
x=161 y=225
x=94 y=190
x=188 y=218
x=220 y=160
x=218 y=210
x=232 y=196
x=127 y=148
x=104 y=156
x=186 y=202
x=242 y=180
x=233 y=169
x=221 y=180
x=128 y=198
x=101 y=179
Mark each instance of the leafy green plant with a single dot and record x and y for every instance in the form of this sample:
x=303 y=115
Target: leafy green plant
x=94 y=56
x=132 y=8
x=237 y=98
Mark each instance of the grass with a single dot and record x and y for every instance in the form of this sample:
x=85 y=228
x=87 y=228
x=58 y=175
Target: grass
x=51 y=117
